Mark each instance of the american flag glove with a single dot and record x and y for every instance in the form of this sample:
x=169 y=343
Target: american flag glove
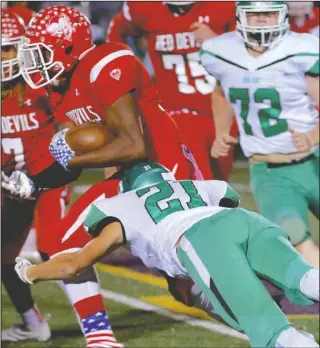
x=60 y=150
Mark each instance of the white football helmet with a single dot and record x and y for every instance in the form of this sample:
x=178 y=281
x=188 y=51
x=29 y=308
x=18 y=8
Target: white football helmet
x=12 y=32
x=262 y=36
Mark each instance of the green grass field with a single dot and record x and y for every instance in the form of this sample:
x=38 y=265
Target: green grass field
x=133 y=325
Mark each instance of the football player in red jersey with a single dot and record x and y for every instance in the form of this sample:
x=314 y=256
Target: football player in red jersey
x=174 y=31
x=304 y=17
x=26 y=130
x=105 y=84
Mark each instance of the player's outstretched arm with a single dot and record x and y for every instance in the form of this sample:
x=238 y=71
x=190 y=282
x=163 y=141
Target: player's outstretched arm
x=68 y=265
x=120 y=28
x=127 y=146
x=313 y=88
x=222 y=116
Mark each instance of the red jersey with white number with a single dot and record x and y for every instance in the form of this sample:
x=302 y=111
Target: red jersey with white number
x=181 y=80
x=26 y=131
x=309 y=25
x=105 y=74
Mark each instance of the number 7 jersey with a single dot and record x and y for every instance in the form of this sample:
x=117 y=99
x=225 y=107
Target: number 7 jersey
x=27 y=127
x=154 y=218
x=269 y=92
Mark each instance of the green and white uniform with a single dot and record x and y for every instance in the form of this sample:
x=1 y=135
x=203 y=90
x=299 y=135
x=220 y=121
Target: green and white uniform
x=221 y=249
x=269 y=96
x=268 y=92
x=150 y=226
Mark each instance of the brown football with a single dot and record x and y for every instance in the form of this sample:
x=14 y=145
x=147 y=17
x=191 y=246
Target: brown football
x=88 y=137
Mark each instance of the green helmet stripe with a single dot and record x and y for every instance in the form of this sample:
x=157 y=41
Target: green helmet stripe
x=251 y=3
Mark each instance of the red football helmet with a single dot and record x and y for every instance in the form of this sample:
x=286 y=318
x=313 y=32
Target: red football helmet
x=12 y=31
x=56 y=38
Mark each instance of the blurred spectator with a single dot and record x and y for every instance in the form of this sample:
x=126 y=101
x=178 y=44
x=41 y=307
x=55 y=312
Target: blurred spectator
x=304 y=17
x=21 y=8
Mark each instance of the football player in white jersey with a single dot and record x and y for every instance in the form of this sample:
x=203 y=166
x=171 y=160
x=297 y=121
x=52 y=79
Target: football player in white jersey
x=179 y=228
x=269 y=77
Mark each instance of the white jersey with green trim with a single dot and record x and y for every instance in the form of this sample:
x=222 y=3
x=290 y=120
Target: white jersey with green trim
x=269 y=92
x=154 y=218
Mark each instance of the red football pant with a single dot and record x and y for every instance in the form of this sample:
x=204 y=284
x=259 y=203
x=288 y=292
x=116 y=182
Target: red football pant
x=50 y=209
x=199 y=133
x=17 y=217
x=69 y=233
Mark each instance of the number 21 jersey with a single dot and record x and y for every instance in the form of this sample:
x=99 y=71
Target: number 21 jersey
x=269 y=93
x=154 y=218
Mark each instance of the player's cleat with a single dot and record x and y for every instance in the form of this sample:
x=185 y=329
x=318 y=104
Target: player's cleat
x=21 y=332
x=293 y=338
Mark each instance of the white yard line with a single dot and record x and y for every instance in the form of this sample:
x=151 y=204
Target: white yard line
x=145 y=306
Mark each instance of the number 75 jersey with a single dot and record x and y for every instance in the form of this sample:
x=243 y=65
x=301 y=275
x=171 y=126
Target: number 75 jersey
x=154 y=218
x=268 y=93
x=181 y=80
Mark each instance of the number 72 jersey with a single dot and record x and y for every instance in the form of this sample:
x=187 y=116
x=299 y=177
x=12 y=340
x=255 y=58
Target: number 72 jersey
x=268 y=93
x=154 y=218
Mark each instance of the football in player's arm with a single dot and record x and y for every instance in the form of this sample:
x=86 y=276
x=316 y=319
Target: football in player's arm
x=187 y=234
x=273 y=88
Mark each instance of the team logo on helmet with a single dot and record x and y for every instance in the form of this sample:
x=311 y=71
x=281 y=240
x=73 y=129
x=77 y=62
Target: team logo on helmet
x=116 y=74
x=60 y=26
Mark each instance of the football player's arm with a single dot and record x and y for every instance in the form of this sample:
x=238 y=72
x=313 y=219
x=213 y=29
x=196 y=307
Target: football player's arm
x=68 y=265
x=304 y=142
x=127 y=146
x=222 y=111
x=222 y=116
x=120 y=112
x=313 y=90
x=119 y=28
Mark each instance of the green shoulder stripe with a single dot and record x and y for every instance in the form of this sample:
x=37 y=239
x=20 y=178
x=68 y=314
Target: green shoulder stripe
x=93 y=218
x=306 y=54
x=251 y=3
x=314 y=70
x=203 y=51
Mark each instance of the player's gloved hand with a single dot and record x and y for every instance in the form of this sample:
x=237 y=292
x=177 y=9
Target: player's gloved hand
x=18 y=185
x=21 y=267
x=60 y=149
x=222 y=145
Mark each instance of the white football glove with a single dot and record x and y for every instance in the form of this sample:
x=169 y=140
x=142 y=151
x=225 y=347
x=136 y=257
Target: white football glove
x=21 y=268
x=19 y=185
x=60 y=149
